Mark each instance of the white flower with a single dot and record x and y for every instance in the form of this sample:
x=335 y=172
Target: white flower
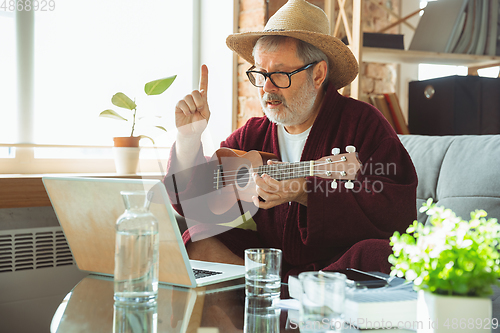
x=411 y=275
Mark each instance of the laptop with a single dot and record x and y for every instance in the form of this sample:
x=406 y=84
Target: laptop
x=87 y=210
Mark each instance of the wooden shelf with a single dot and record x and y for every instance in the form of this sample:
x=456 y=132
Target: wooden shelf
x=383 y=55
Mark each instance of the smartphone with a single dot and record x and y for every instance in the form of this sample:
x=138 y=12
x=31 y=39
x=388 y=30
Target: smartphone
x=360 y=279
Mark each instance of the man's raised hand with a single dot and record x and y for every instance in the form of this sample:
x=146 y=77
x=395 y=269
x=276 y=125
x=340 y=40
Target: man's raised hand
x=192 y=112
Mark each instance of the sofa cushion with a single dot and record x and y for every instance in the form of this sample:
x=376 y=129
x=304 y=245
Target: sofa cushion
x=459 y=172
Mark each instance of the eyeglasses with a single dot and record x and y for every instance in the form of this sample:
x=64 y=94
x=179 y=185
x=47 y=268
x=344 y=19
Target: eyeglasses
x=281 y=80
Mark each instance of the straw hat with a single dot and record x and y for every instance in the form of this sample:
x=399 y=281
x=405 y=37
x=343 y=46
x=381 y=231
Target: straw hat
x=302 y=20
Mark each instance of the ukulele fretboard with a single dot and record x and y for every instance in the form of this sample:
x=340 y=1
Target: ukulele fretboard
x=284 y=171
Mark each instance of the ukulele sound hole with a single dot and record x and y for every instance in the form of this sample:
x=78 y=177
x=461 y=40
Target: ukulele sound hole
x=242 y=177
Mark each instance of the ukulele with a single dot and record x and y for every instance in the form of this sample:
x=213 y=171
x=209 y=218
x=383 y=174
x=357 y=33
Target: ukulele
x=232 y=176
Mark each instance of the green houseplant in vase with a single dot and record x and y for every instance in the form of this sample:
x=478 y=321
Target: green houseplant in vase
x=127 y=149
x=453 y=264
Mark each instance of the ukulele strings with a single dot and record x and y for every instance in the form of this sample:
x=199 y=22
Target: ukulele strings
x=230 y=176
x=305 y=167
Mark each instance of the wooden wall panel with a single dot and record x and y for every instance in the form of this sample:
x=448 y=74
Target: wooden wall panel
x=19 y=192
x=28 y=191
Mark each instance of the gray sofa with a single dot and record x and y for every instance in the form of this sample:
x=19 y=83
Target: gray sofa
x=461 y=173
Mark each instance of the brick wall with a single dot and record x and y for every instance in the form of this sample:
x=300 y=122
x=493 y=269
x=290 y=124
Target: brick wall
x=376 y=78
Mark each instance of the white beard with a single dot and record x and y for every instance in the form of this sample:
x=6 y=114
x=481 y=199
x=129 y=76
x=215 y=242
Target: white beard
x=292 y=113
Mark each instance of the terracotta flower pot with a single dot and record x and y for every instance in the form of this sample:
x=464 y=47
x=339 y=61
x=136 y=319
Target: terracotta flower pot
x=127 y=141
x=126 y=152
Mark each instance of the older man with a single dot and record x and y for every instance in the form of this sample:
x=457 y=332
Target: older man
x=297 y=69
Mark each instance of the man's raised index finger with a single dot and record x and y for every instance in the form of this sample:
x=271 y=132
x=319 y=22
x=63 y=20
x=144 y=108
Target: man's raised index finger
x=204 y=79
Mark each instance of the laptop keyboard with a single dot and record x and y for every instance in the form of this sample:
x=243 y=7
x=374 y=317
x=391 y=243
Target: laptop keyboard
x=201 y=273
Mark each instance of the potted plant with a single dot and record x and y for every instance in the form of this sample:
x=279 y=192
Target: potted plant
x=127 y=148
x=453 y=264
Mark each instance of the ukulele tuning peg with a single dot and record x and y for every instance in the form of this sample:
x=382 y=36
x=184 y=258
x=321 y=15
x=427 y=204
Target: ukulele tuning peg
x=349 y=185
x=335 y=151
x=350 y=149
x=333 y=184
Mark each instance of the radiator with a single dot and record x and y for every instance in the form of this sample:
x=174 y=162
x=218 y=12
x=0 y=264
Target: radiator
x=26 y=249
x=37 y=270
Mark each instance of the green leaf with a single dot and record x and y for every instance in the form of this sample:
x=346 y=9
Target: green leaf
x=158 y=86
x=121 y=100
x=162 y=128
x=147 y=137
x=111 y=114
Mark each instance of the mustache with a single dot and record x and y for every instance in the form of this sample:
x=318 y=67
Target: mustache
x=267 y=97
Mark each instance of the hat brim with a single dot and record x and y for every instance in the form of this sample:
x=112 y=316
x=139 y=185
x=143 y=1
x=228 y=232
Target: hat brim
x=343 y=64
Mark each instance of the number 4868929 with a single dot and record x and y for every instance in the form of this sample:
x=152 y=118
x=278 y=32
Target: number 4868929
x=27 y=5
x=470 y=323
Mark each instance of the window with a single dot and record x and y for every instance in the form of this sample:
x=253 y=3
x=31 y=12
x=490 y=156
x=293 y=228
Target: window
x=8 y=81
x=109 y=46
x=83 y=52
x=428 y=71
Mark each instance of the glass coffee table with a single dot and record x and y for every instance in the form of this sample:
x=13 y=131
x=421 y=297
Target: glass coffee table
x=90 y=307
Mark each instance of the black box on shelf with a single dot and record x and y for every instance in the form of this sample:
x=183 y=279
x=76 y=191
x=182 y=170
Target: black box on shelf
x=375 y=39
x=454 y=105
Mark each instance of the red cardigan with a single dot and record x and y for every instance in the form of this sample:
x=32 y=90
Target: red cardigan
x=317 y=236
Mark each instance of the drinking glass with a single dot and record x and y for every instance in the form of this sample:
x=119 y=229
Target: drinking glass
x=322 y=301
x=263 y=272
x=262 y=315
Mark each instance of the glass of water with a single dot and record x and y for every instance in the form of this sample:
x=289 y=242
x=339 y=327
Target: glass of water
x=263 y=272
x=262 y=315
x=322 y=301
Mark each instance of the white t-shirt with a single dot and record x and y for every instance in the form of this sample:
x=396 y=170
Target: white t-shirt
x=291 y=145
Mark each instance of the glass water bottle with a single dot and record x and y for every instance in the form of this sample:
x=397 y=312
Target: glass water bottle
x=136 y=250
x=138 y=318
